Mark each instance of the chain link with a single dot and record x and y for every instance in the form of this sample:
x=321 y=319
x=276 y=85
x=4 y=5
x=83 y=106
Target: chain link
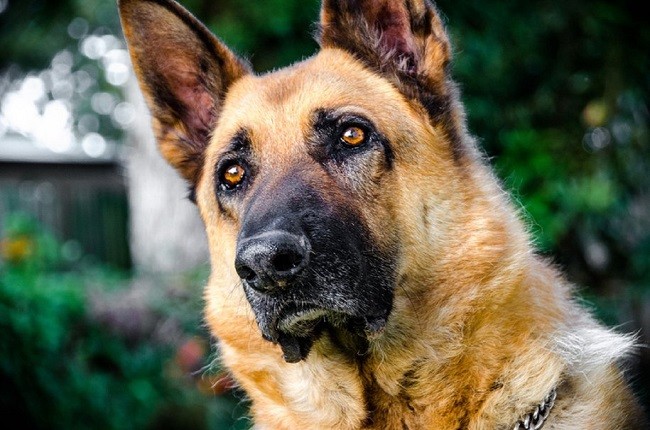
x=536 y=419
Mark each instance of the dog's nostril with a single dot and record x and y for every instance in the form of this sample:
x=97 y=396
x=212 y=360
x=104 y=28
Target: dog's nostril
x=285 y=261
x=246 y=273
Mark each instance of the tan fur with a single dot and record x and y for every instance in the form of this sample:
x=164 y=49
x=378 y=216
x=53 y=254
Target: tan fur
x=481 y=327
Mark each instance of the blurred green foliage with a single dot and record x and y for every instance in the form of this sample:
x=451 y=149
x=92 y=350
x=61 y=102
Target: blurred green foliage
x=271 y=33
x=77 y=353
x=31 y=32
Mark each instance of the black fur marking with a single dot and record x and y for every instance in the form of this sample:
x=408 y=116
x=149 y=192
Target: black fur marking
x=349 y=342
x=462 y=405
x=425 y=215
x=496 y=385
x=347 y=275
x=239 y=143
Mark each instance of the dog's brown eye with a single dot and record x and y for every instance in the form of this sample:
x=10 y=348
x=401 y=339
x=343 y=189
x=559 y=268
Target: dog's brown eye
x=232 y=176
x=353 y=136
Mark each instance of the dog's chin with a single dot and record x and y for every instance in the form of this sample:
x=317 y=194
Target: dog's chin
x=297 y=328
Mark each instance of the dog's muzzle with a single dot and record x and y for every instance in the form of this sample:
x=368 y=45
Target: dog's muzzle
x=297 y=292
x=308 y=267
x=271 y=264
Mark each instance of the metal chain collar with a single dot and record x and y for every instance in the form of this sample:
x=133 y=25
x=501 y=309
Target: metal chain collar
x=535 y=420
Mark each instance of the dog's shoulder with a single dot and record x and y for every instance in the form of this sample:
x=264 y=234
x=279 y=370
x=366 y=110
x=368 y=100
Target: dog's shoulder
x=596 y=385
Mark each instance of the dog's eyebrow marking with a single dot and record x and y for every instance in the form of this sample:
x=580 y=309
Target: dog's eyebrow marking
x=327 y=116
x=239 y=143
x=325 y=120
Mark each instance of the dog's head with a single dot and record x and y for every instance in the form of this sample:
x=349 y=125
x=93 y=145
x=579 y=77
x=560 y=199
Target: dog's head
x=309 y=179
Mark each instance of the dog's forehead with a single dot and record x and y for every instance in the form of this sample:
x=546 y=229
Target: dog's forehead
x=277 y=109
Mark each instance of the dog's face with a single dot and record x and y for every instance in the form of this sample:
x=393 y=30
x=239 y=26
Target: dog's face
x=307 y=178
x=296 y=174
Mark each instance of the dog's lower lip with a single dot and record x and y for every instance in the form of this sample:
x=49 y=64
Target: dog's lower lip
x=300 y=320
x=294 y=348
x=296 y=327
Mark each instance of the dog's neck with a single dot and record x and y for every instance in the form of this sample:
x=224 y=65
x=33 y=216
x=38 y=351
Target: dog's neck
x=453 y=359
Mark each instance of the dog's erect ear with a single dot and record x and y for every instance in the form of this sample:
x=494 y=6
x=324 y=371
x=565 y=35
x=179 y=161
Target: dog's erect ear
x=183 y=71
x=403 y=39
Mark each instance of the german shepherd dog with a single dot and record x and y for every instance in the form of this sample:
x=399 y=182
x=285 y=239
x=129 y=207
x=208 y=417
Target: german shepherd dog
x=368 y=270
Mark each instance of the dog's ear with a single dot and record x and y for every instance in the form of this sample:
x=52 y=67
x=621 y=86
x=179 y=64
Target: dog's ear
x=184 y=72
x=405 y=40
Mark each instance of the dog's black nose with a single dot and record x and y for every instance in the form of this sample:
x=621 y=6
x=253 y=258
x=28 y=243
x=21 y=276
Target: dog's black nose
x=271 y=259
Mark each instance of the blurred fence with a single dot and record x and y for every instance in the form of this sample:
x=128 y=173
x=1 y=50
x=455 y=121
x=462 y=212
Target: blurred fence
x=83 y=202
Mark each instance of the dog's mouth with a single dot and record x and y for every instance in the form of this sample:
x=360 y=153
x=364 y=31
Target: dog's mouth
x=297 y=327
x=301 y=320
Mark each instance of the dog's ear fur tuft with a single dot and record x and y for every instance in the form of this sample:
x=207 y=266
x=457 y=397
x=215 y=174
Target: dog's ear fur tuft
x=404 y=34
x=184 y=72
x=403 y=39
